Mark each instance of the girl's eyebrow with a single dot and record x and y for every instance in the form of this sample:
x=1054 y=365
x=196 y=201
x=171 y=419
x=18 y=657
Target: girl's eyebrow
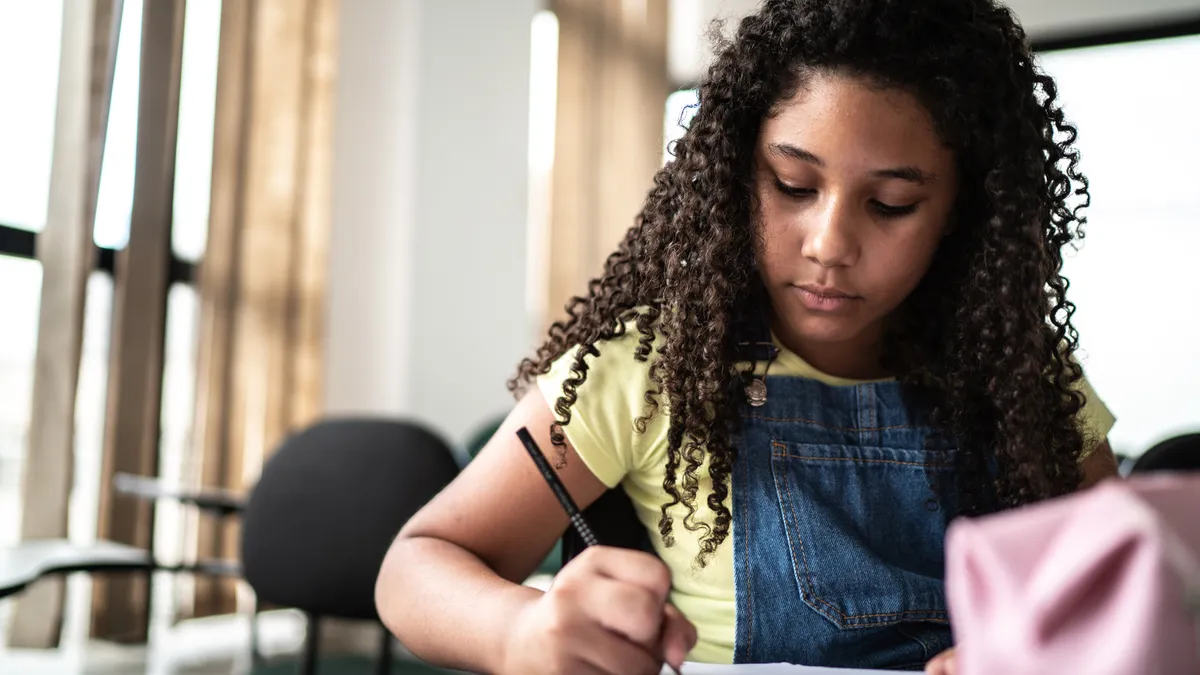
x=795 y=152
x=906 y=173
x=909 y=173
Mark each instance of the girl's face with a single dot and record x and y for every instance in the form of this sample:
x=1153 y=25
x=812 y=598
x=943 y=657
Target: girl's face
x=854 y=194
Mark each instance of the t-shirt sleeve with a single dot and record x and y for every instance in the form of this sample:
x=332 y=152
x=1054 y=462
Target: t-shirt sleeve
x=609 y=402
x=1095 y=420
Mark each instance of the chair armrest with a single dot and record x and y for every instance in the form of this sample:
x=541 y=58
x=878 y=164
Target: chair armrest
x=220 y=502
x=28 y=561
x=213 y=567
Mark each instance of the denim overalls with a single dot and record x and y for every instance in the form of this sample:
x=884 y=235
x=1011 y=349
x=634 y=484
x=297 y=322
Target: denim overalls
x=838 y=533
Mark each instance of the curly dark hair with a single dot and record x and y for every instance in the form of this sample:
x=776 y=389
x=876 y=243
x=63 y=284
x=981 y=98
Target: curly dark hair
x=984 y=346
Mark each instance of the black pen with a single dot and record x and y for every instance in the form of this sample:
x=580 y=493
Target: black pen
x=560 y=491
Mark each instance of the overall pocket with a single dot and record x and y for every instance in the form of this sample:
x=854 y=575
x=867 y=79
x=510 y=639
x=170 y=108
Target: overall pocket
x=865 y=530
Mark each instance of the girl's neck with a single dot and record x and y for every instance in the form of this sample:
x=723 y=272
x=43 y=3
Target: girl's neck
x=856 y=359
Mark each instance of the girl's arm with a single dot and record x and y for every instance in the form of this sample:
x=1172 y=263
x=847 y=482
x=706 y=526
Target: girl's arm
x=449 y=587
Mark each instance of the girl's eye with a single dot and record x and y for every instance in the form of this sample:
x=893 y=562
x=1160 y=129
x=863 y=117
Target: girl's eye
x=891 y=211
x=884 y=210
x=791 y=191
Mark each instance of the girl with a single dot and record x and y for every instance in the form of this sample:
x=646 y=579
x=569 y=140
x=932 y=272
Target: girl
x=838 y=322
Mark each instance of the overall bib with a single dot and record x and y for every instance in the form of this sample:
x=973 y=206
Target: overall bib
x=838 y=532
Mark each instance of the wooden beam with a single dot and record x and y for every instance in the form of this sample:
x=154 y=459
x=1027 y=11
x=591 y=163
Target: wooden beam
x=314 y=218
x=573 y=212
x=612 y=89
x=273 y=156
x=262 y=279
x=88 y=57
x=120 y=603
x=217 y=290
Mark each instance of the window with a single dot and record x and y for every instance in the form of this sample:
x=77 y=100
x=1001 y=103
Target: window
x=29 y=46
x=29 y=52
x=22 y=281
x=681 y=107
x=189 y=235
x=178 y=400
x=1134 y=279
x=30 y=35
x=90 y=398
x=194 y=149
x=543 y=102
x=120 y=143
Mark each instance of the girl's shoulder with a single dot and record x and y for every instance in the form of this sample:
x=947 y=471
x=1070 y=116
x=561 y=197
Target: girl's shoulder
x=612 y=426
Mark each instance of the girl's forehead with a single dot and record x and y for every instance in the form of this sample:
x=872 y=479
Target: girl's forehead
x=844 y=119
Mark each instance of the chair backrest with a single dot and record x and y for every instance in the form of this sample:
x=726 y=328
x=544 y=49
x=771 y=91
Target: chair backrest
x=482 y=435
x=611 y=517
x=1180 y=453
x=328 y=505
x=614 y=522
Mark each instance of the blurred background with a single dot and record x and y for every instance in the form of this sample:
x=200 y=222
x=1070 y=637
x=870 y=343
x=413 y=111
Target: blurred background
x=224 y=220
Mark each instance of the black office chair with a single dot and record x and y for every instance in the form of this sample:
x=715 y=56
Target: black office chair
x=325 y=510
x=614 y=522
x=482 y=434
x=1180 y=453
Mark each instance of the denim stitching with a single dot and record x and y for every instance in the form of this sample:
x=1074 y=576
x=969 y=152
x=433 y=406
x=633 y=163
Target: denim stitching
x=828 y=426
x=807 y=591
x=923 y=465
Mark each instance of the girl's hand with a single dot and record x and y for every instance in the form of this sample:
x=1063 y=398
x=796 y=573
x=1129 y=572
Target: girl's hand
x=606 y=613
x=942 y=664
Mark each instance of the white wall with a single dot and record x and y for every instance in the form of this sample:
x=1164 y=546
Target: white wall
x=370 y=287
x=427 y=313
x=1041 y=18
x=471 y=208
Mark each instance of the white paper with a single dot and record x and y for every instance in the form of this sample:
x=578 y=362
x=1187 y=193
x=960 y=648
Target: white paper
x=690 y=668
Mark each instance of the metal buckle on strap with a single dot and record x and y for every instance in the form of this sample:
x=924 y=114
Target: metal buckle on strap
x=756 y=387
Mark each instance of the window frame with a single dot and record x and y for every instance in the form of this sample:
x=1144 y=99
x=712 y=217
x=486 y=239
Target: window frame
x=20 y=243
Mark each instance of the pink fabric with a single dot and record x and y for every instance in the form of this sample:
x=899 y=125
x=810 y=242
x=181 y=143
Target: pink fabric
x=1104 y=582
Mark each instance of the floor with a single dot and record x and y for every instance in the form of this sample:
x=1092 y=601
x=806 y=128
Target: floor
x=212 y=646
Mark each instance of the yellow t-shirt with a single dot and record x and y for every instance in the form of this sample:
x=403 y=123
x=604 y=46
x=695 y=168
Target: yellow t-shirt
x=602 y=431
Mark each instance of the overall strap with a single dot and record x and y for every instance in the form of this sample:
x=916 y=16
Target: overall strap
x=752 y=340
